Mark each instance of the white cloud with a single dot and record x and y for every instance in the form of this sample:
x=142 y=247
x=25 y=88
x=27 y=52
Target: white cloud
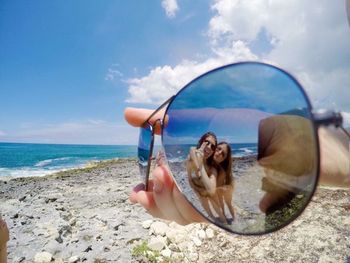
x=163 y=82
x=81 y=132
x=170 y=7
x=112 y=74
x=234 y=17
x=310 y=39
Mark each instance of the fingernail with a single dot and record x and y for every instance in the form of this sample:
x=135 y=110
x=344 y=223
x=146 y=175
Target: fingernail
x=157 y=186
x=139 y=187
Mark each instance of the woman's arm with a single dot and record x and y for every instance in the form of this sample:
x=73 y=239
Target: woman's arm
x=209 y=181
x=197 y=161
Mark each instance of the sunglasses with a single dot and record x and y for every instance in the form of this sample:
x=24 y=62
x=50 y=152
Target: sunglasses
x=210 y=144
x=266 y=118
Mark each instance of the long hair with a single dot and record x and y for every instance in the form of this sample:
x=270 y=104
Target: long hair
x=210 y=160
x=227 y=164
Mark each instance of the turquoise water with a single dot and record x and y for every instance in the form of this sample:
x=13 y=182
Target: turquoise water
x=26 y=159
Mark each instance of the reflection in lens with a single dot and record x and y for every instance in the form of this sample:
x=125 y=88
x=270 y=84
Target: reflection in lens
x=259 y=116
x=143 y=149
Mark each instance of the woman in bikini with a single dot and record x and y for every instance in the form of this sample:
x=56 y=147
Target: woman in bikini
x=202 y=174
x=225 y=184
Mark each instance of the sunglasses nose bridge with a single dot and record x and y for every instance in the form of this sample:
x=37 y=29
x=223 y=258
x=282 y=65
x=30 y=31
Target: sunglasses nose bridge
x=157 y=124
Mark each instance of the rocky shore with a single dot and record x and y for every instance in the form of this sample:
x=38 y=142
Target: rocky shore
x=84 y=215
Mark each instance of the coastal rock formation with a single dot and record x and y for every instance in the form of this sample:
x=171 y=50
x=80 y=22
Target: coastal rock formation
x=84 y=215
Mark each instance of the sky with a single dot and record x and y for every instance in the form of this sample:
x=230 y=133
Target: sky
x=69 y=68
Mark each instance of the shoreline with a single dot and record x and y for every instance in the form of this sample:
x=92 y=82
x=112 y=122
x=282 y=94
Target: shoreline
x=88 y=165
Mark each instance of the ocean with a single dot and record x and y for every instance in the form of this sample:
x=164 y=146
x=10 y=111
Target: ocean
x=27 y=159
x=178 y=153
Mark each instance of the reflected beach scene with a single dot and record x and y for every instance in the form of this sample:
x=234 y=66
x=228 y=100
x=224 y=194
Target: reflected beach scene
x=245 y=159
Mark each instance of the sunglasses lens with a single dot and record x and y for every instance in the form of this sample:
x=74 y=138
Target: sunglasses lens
x=262 y=117
x=144 y=148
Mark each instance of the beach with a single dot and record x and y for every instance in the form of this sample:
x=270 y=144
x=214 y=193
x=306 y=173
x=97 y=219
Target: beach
x=84 y=215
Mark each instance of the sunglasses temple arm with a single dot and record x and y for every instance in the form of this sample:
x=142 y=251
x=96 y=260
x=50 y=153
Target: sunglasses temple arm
x=325 y=118
x=159 y=108
x=149 y=161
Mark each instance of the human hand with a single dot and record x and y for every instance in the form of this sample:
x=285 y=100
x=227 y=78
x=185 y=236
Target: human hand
x=286 y=151
x=4 y=233
x=335 y=157
x=163 y=199
x=201 y=149
x=287 y=140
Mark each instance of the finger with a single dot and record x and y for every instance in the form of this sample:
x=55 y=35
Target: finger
x=146 y=199
x=186 y=209
x=136 y=117
x=138 y=188
x=135 y=190
x=163 y=187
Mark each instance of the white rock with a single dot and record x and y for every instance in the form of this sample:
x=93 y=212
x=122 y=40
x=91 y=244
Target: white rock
x=209 y=232
x=173 y=247
x=166 y=252
x=159 y=228
x=157 y=243
x=185 y=246
x=193 y=256
x=201 y=234
x=197 y=241
x=43 y=257
x=171 y=234
x=73 y=259
x=73 y=221
x=179 y=238
x=150 y=253
x=177 y=256
x=147 y=224
x=175 y=225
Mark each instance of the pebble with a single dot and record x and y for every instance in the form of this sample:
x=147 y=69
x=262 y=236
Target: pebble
x=43 y=257
x=147 y=224
x=166 y=252
x=73 y=259
x=157 y=243
x=159 y=228
x=209 y=233
x=197 y=241
x=201 y=234
x=193 y=256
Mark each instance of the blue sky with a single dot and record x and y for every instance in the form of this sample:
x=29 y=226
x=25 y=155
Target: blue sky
x=69 y=68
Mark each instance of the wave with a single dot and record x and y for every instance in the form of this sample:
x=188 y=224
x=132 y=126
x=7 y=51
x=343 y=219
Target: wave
x=176 y=159
x=246 y=150
x=46 y=167
x=50 y=161
x=8 y=173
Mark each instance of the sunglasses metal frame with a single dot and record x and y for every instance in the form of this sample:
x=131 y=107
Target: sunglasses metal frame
x=318 y=118
x=152 y=127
